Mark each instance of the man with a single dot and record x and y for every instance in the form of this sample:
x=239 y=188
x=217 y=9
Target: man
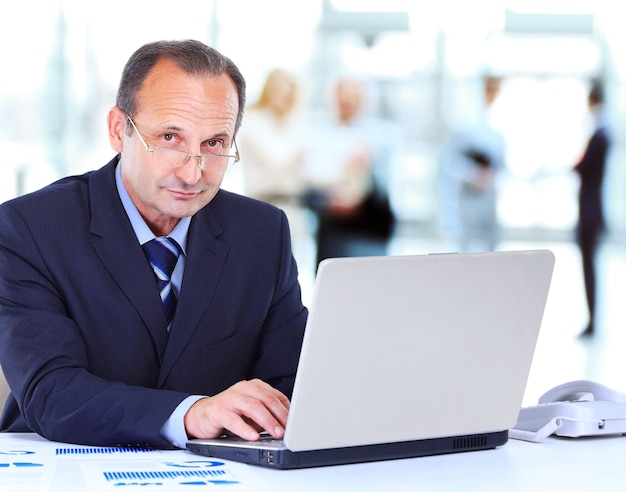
x=472 y=158
x=84 y=342
x=351 y=200
x=591 y=225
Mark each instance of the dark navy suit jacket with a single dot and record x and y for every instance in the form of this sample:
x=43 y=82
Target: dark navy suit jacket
x=83 y=342
x=591 y=169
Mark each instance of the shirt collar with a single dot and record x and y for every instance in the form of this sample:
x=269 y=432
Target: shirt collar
x=142 y=231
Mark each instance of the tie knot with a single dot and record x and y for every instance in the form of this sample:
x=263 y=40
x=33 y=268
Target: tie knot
x=162 y=252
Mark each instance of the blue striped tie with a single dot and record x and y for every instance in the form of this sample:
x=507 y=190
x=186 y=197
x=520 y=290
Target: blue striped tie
x=162 y=252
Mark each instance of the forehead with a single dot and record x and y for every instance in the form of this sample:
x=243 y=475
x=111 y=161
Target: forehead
x=170 y=94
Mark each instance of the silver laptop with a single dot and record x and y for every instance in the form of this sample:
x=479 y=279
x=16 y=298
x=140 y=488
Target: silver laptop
x=408 y=356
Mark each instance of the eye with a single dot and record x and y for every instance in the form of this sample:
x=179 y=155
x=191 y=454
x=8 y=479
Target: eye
x=169 y=140
x=212 y=145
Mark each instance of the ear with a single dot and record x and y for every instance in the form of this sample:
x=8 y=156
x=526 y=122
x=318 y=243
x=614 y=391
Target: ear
x=116 y=121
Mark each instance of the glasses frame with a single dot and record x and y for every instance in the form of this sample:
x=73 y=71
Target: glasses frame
x=188 y=156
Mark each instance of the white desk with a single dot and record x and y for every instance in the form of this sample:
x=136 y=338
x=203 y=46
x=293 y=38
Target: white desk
x=30 y=463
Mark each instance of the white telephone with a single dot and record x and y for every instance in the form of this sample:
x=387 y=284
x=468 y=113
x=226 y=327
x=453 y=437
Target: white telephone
x=573 y=409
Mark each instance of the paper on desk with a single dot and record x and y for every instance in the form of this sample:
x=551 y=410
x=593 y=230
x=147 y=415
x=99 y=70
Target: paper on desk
x=23 y=468
x=176 y=471
x=25 y=474
x=29 y=463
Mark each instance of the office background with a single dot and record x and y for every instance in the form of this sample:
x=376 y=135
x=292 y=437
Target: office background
x=425 y=62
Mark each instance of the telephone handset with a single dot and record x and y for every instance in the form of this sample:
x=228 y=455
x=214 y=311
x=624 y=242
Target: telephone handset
x=582 y=391
x=573 y=409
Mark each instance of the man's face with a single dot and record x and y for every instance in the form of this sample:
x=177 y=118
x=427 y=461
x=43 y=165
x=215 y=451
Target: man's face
x=193 y=114
x=349 y=99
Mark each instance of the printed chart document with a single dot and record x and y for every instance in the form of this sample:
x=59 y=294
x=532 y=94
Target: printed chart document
x=29 y=463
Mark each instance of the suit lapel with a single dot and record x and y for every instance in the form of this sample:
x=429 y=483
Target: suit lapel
x=205 y=260
x=130 y=270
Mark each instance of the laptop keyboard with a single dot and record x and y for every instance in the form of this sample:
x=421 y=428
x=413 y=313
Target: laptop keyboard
x=266 y=441
x=270 y=441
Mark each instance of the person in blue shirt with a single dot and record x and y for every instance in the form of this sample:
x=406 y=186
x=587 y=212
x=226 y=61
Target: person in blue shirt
x=473 y=157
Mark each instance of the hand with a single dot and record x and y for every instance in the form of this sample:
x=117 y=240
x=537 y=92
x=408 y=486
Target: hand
x=244 y=409
x=342 y=208
x=483 y=180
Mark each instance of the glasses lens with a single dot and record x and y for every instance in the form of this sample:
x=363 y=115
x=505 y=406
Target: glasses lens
x=177 y=158
x=170 y=157
x=227 y=157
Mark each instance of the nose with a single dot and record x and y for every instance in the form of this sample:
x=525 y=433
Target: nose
x=191 y=170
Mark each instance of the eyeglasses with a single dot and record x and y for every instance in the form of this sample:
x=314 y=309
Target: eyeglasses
x=177 y=158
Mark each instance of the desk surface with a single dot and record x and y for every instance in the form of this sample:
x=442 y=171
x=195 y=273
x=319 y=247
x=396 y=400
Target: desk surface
x=30 y=463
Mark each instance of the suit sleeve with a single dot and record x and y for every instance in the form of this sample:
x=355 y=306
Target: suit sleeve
x=277 y=357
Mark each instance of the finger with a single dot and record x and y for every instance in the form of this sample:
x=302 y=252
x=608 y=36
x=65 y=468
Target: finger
x=269 y=391
x=266 y=413
x=275 y=401
x=243 y=427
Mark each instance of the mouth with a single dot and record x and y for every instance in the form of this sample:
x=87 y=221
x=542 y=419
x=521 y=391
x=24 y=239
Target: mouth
x=184 y=195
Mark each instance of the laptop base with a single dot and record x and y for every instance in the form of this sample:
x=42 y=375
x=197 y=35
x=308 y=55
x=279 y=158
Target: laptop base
x=285 y=459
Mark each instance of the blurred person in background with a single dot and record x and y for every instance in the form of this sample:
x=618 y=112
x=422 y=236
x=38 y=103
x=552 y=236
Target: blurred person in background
x=591 y=224
x=472 y=158
x=272 y=152
x=349 y=177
